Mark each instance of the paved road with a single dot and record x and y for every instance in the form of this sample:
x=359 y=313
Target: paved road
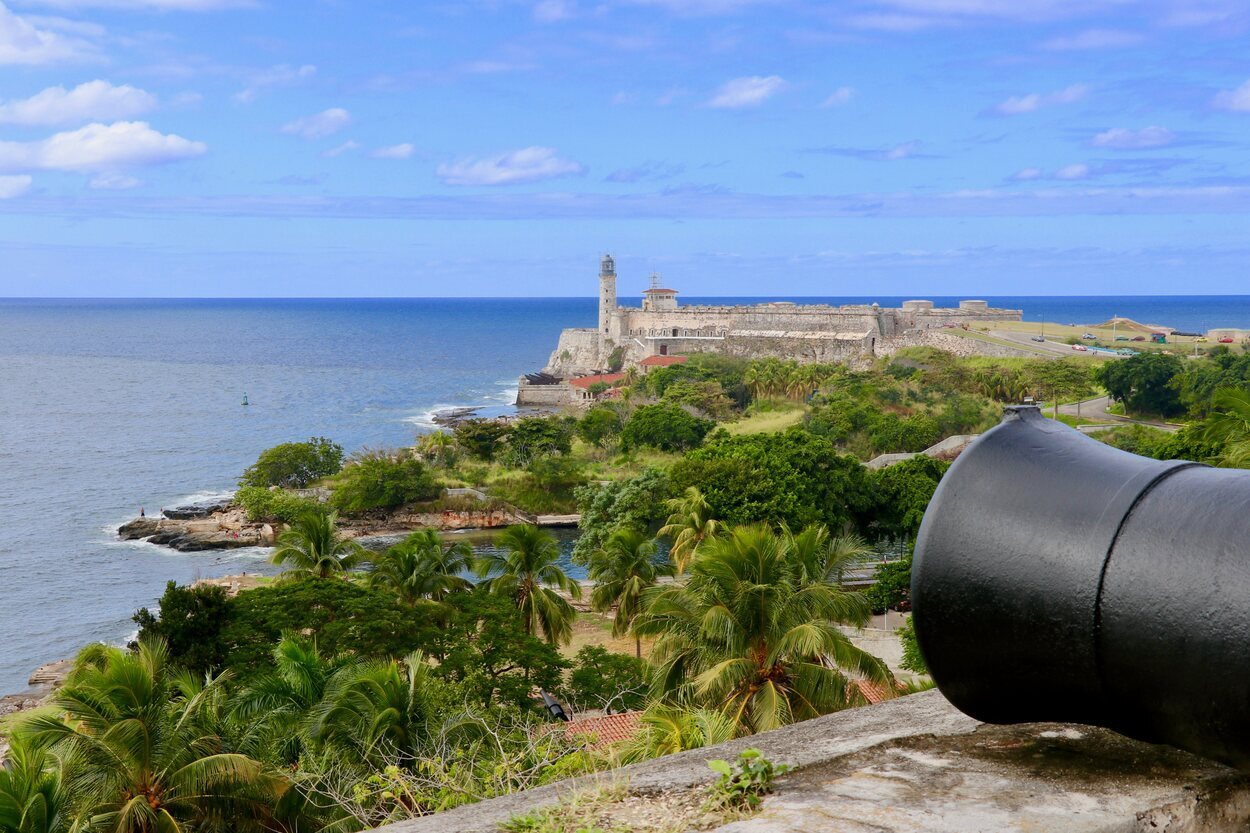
x=1096 y=408
x=1056 y=347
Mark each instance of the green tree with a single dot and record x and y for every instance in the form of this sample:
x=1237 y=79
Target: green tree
x=481 y=438
x=634 y=503
x=487 y=650
x=599 y=426
x=705 y=396
x=422 y=567
x=690 y=523
x=294 y=465
x=438 y=448
x=342 y=617
x=823 y=558
x=604 y=680
x=147 y=751
x=665 y=426
x=313 y=547
x=1059 y=380
x=791 y=477
x=1228 y=426
x=1144 y=383
x=535 y=437
x=189 y=621
x=33 y=797
x=901 y=494
x=622 y=570
x=750 y=636
x=383 y=480
x=525 y=570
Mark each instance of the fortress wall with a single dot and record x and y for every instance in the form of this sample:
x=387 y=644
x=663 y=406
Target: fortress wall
x=576 y=352
x=715 y=320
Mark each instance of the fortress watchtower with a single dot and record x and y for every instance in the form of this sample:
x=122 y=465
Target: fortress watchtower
x=607 y=294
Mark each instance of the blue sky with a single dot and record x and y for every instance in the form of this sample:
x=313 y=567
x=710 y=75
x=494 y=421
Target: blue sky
x=739 y=147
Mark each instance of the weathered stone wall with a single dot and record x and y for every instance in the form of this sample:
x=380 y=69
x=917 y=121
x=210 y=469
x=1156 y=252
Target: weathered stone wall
x=545 y=396
x=956 y=345
x=576 y=352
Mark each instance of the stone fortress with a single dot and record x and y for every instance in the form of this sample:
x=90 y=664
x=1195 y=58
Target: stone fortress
x=638 y=336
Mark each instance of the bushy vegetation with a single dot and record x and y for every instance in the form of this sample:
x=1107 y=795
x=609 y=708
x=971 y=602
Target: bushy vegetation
x=666 y=426
x=383 y=480
x=294 y=465
x=272 y=504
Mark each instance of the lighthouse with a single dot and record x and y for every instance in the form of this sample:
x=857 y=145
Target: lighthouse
x=607 y=302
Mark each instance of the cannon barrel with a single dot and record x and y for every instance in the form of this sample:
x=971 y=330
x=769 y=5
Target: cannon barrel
x=1059 y=579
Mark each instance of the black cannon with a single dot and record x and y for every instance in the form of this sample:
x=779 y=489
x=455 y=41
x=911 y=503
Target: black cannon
x=1059 y=579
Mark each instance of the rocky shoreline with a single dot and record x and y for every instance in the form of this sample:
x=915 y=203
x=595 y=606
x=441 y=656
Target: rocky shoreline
x=224 y=525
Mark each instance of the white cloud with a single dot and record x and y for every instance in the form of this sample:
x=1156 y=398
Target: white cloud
x=13 y=186
x=92 y=101
x=339 y=150
x=401 y=151
x=1072 y=172
x=552 y=11
x=1122 y=138
x=903 y=151
x=1237 y=100
x=747 y=92
x=840 y=96
x=1026 y=174
x=1018 y=104
x=325 y=123
x=99 y=148
x=282 y=75
x=114 y=182
x=525 y=165
x=496 y=67
x=22 y=43
x=1093 y=39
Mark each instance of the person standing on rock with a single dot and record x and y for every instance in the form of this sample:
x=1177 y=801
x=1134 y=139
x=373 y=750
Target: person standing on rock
x=141 y=512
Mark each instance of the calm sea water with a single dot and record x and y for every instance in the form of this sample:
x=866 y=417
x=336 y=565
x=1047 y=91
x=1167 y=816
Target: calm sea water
x=106 y=406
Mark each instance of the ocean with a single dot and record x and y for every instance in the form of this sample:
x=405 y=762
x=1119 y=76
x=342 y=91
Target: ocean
x=107 y=406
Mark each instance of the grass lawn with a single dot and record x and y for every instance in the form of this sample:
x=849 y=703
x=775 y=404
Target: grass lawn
x=592 y=628
x=767 y=422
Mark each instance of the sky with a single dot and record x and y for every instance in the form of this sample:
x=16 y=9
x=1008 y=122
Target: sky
x=237 y=148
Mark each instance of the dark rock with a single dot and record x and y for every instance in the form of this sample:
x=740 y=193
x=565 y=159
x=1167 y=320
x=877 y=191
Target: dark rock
x=138 y=528
x=191 y=511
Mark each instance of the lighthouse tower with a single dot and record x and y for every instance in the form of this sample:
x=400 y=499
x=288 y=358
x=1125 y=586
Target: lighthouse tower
x=607 y=299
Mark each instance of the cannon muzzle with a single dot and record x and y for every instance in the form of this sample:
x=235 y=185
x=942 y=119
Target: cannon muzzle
x=1059 y=579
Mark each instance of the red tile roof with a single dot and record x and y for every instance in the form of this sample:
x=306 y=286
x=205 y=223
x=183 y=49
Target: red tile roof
x=610 y=728
x=587 y=381
x=657 y=290
x=874 y=692
x=662 y=361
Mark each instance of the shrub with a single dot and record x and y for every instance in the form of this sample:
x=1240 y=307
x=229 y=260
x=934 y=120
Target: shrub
x=707 y=397
x=913 y=660
x=599 y=426
x=535 y=437
x=294 y=465
x=275 y=504
x=636 y=503
x=383 y=481
x=190 y=621
x=664 y=426
x=601 y=679
x=901 y=494
x=893 y=587
x=481 y=438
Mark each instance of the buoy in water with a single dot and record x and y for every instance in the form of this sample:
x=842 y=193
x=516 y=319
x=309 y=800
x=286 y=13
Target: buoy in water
x=245 y=402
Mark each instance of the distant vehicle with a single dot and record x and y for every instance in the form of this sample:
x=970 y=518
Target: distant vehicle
x=1121 y=338
x=1089 y=336
x=1201 y=339
x=949 y=326
x=1159 y=338
x=1124 y=351
x=1080 y=347
x=1139 y=338
x=1226 y=340
x=1038 y=338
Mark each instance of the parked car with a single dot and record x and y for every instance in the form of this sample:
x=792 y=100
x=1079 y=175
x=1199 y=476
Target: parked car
x=1089 y=336
x=1080 y=347
x=1121 y=338
x=1226 y=340
x=1037 y=338
x=1139 y=338
x=1201 y=339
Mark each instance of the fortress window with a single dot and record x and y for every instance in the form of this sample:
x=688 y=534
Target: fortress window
x=674 y=332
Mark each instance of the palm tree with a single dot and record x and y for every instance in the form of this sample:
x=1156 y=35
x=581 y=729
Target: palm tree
x=437 y=448
x=753 y=636
x=146 y=752
x=525 y=571
x=1228 y=425
x=668 y=729
x=824 y=558
x=420 y=567
x=625 y=567
x=32 y=794
x=313 y=548
x=688 y=526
